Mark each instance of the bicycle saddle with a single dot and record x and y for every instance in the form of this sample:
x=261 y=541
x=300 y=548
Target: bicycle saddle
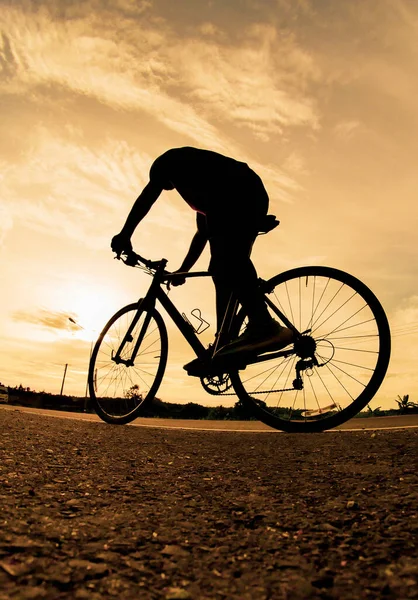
x=268 y=223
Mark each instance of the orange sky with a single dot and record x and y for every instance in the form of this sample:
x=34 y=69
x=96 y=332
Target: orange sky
x=319 y=97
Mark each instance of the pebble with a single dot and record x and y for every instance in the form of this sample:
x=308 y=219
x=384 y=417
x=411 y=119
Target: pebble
x=176 y=593
x=175 y=551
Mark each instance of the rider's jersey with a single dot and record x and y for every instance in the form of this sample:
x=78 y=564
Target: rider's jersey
x=204 y=179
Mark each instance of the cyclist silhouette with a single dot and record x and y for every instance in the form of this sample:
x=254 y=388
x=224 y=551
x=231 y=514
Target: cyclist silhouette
x=231 y=205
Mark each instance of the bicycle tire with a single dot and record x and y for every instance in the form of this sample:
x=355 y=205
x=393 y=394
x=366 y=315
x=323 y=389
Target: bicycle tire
x=118 y=392
x=365 y=324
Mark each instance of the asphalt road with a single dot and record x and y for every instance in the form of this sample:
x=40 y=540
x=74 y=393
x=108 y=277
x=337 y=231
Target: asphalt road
x=96 y=512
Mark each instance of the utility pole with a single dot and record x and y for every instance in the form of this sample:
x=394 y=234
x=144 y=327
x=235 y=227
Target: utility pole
x=86 y=397
x=87 y=382
x=63 y=379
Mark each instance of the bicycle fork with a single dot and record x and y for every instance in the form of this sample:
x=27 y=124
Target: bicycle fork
x=145 y=305
x=128 y=337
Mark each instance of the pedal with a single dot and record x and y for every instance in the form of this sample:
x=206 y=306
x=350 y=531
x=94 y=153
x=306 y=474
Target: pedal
x=214 y=367
x=197 y=372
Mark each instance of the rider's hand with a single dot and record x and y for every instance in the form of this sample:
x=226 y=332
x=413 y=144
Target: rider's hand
x=121 y=243
x=178 y=280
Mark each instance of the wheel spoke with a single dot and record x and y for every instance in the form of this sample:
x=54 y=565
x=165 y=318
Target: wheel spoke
x=372 y=320
x=336 y=311
x=290 y=304
x=324 y=309
x=356 y=350
x=324 y=384
x=334 y=366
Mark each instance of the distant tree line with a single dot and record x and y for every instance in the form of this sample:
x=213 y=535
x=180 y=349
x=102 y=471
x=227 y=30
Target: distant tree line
x=159 y=409
x=25 y=396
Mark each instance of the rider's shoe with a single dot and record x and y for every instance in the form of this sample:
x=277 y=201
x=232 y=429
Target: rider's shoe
x=199 y=366
x=211 y=364
x=195 y=368
x=256 y=340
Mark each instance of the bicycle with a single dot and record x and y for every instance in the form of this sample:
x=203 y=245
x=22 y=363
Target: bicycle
x=332 y=369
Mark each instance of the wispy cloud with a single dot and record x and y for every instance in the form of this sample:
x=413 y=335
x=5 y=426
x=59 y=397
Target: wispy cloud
x=345 y=130
x=250 y=84
x=64 y=188
x=6 y=219
x=256 y=83
x=192 y=86
x=106 y=68
x=46 y=318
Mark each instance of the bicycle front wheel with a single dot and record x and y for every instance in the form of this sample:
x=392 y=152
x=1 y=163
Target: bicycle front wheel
x=344 y=352
x=123 y=378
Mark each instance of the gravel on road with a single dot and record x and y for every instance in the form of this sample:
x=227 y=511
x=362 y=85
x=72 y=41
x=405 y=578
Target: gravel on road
x=93 y=511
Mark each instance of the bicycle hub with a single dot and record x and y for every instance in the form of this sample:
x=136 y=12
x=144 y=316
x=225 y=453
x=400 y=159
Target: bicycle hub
x=305 y=346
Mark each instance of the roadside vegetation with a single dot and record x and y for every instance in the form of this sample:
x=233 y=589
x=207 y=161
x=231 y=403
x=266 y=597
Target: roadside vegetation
x=24 y=396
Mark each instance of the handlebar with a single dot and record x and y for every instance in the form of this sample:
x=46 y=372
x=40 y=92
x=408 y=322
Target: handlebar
x=132 y=259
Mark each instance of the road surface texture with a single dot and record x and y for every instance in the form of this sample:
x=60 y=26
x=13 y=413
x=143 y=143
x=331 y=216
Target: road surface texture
x=92 y=511
x=392 y=422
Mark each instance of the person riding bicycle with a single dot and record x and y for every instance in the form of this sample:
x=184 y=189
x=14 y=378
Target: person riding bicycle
x=231 y=206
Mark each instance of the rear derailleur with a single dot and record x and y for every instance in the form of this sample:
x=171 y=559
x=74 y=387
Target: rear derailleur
x=304 y=364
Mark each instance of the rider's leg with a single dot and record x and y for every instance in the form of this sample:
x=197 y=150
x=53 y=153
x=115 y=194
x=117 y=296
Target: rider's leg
x=238 y=273
x=233 y=270
x=232 y=229
x=231 y=239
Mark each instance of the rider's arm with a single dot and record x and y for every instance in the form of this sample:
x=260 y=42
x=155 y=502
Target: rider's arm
x=122 y=241
x=141 y=207
x=197 y=245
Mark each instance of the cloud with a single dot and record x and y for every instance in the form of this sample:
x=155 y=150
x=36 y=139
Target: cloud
x=250 y=84
x=46 y=318
x=8 y=64
x=6 y=221
x=65 y=186
x=405 y=318
x=295 y=164
x=253 y=84
x=209 y=29
x=67 y=189
x=109 y=69
x=346 y=130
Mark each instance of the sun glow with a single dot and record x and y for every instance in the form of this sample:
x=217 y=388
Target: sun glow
x=88 y=306
x=93 y=307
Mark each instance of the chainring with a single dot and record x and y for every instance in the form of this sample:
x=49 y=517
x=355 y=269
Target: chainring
x=216 y=384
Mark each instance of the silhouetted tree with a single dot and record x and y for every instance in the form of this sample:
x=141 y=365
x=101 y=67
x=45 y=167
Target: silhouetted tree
x=241 y=412
x=133 y=393
x=374 y=412
x=405 y=404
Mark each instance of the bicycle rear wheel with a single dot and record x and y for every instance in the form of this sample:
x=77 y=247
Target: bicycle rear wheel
x=346 y=331
x=121 y=385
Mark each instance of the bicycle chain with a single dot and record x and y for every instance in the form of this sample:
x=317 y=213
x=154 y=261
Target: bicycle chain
x=260 y=392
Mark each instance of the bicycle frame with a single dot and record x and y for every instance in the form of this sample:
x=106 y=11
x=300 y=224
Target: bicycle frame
x=155 y=292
